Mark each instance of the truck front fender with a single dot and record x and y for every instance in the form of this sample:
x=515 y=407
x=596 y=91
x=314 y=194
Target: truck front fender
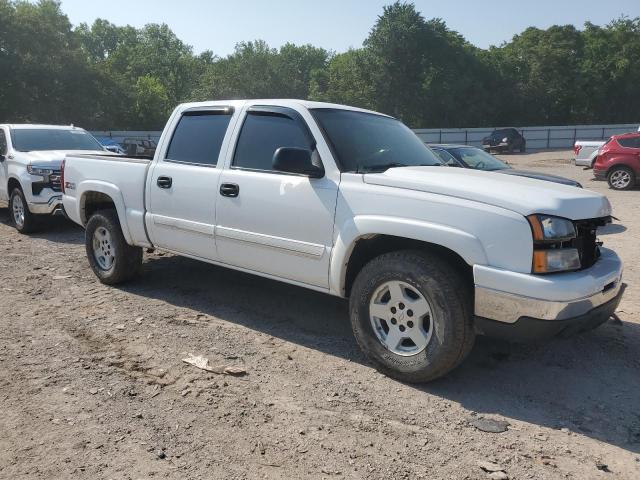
x=462 y=243
x=112 y=191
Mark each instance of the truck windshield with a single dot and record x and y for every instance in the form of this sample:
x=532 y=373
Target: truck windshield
x=366 y=142
x=38 y=139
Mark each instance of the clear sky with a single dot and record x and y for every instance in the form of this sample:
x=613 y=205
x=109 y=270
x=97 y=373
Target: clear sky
x=218 y=25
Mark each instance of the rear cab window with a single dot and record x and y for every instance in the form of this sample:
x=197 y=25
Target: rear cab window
x=198 y=137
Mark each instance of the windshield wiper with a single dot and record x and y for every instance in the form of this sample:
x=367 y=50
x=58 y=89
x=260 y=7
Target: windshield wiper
x=383 y=167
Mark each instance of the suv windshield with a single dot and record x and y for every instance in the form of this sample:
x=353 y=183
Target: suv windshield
x=36 y=139
x=473 y=157
x=366 y=142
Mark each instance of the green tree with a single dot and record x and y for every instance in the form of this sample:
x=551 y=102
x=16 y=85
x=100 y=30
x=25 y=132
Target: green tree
x=255 y=70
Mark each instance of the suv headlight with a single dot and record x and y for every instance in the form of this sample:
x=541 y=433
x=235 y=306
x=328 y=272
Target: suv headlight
x=41 y=171
x=553 y=249
x=505 y=139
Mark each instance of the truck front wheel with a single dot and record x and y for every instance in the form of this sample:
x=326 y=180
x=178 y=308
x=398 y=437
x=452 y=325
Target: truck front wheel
x=111 y=258
x=411 y=314
x=23 y=219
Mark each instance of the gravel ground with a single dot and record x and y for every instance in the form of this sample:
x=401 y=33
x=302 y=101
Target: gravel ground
x=92 y=382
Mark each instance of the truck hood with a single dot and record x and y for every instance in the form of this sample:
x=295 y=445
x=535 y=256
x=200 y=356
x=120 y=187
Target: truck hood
x=51 y=158
x=519 y=194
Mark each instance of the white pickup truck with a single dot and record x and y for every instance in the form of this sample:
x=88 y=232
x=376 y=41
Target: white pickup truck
x=586 y=152
x=30 y=159
x=351 y=203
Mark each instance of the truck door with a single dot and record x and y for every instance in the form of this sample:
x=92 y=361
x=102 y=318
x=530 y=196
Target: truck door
x=272 y=222
x=183 y=183
x=4 y=151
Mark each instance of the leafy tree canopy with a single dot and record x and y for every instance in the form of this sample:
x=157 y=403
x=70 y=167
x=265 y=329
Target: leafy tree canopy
x=103 y=76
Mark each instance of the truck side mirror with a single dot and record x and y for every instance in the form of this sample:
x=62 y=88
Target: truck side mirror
x=298 y=160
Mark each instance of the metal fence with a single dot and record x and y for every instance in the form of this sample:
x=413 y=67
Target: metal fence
x=538 y=138
x=120 y=136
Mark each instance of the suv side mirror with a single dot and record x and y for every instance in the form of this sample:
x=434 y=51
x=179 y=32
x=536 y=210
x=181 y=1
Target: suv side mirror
x=3 y=157
x=298 y=160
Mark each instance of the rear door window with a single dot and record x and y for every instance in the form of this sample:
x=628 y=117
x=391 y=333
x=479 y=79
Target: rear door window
x=198 y=137
x=629 y=142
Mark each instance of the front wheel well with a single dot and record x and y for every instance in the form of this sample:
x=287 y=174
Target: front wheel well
x=94 y=201
x=12 y=184
x=368 y=248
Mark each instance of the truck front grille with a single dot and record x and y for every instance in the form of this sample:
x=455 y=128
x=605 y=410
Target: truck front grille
x=52 y=182
x=586 y=242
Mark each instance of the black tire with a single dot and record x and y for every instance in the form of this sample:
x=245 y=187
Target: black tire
x=523 y=148
x=451 y=302
x=510 y=148
x=126 y=260
x=29 y=222
x=621 y=170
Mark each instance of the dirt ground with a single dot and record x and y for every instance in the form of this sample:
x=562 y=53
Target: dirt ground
x=92 y=383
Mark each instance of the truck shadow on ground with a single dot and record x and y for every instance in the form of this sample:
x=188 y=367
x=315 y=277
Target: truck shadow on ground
x=588 y=384
x=55 y=229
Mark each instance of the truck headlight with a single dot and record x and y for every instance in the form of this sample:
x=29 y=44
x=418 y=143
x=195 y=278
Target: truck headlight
x=553 y=246
x=549 y=228
x=41 y=171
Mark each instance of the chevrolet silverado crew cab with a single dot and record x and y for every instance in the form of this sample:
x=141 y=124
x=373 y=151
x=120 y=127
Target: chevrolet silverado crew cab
x=351 y=203
x=30 y=159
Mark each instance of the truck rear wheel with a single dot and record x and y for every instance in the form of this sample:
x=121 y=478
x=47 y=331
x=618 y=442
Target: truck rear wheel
x=23 y=219
x=111 y=258
x=411 y=315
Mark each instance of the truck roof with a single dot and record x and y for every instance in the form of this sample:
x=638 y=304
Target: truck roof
x=283 y=102
x=26 y=126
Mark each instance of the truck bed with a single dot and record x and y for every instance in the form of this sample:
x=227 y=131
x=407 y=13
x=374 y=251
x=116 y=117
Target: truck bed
x=123 y=179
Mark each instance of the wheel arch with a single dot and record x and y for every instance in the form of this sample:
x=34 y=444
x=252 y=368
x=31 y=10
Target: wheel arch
x=12 y=182
x=367 y=238
x=99 y=196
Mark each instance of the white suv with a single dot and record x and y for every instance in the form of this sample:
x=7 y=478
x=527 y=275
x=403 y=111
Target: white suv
x=30 y=160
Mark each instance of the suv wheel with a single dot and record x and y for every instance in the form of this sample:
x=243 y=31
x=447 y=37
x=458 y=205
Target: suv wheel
x=621 y=178
x=411 y=315
x=111 y=258
x=23 y=219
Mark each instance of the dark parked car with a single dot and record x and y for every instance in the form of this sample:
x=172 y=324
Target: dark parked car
x=466 y=156
x=505 y=140
x=138 y=146
x=618 y=161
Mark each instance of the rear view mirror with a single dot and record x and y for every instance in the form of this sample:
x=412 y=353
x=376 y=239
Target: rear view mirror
x=298 y=160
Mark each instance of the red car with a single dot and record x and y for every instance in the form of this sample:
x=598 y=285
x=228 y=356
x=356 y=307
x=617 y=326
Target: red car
x=619 y=161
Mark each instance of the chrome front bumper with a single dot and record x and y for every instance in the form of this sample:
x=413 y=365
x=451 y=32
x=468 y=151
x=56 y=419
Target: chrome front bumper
x=509 y=308
x=53 y=206
x=505 y=296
